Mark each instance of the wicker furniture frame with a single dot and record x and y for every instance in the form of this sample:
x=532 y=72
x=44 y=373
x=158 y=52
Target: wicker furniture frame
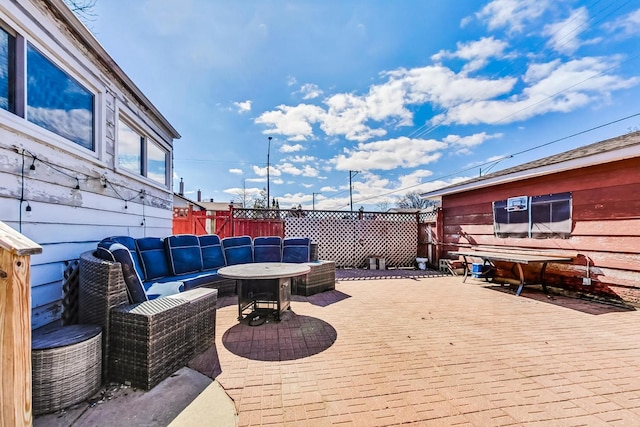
x=66 y=366
x=322 y=277
x=143 y=343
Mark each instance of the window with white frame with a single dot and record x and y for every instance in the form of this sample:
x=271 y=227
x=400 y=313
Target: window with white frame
x=544 y=216
x=58 y=102
x=43 y=93
x=157 y=158
x=130 y=145
x=140 y=154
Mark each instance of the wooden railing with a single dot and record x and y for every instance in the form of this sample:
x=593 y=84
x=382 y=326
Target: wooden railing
x=15 y=326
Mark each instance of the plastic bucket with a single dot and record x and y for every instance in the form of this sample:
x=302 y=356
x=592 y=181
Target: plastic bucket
x=477 y=270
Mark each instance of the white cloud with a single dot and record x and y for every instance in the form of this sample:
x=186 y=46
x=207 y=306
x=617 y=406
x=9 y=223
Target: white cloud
x=628 y=25
x=301 y=159
x=293 y=122
x=413 y=179
x=353 y=116
x=346 y=116
x=477 y=53
x=553 y=87
x=235 y=171
x=471 y=140
x=512 y=14
x=389 y=154
x=263 y=171
x=444 y=88
x=309 y=171
x=310 y=91
x=328 y=189
x=306 y=170
x=565 y=35
x=237 y=191
x=243 y=107
x=287 y=148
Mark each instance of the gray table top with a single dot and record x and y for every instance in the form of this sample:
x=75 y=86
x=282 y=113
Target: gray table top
x=264 y=270
x=519 y=258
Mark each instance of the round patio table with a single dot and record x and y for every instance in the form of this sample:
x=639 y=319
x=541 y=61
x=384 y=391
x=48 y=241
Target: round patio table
x=264 y=283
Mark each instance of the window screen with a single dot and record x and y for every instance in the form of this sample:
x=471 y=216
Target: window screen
x=546 y=216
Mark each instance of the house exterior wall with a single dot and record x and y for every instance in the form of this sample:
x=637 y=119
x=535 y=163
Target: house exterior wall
x=66 y=220
x=605 y=227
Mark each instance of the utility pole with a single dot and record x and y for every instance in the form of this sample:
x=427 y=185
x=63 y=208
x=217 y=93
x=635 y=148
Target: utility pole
x=351 y=175
x=313 y=195
x=268 y=155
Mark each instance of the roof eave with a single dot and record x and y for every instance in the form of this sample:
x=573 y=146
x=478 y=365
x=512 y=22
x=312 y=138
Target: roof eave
x=596 y=159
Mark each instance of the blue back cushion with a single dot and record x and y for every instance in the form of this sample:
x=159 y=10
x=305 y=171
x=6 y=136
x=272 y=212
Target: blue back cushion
x=237 y=250
x=128 y=242
x=296 y=249
x=134 y=284
x=267 y=249
x=211 y=250
x=184 y=253
x=153 y=258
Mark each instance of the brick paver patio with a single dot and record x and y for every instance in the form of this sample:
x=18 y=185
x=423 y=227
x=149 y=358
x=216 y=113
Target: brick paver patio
x=431 y=351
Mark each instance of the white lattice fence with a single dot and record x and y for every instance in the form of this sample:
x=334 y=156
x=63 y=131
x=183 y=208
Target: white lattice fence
x=349 y=242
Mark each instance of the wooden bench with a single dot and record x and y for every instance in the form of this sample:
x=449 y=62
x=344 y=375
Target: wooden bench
x=517 y=256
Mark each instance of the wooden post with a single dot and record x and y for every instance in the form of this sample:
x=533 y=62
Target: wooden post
x=15 y=327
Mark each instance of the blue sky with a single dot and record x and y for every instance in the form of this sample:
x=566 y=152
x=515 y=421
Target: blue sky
x=413 y=95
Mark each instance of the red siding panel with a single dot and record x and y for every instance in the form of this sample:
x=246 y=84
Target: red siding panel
x=606 y=226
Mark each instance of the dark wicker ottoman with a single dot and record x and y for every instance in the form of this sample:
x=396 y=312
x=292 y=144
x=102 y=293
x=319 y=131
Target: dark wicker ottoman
x=67 y=366
x=148 y=341
x=322 y=277
x=202 y=308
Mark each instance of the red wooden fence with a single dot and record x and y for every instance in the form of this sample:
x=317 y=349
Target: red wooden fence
x=186 y=220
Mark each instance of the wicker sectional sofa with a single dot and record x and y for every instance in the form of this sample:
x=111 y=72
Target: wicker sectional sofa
x=156 y=298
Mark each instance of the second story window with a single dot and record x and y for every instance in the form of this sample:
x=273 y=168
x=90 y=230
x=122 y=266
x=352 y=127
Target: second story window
x=57 y=102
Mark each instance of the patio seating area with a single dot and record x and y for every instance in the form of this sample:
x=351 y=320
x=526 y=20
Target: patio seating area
x=416 y=351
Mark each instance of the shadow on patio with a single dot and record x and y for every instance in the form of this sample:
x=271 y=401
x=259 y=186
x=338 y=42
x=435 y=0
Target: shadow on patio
x=294 y=337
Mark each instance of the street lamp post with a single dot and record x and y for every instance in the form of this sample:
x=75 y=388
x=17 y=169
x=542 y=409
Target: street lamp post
x=268 y=155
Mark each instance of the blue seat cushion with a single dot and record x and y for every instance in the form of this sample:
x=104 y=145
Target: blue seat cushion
x=184 y=253
x=153 y=258
x=211 y=250
x=296 y=249
x=155 y=290
x=237 y=250
x=267 y=249
x=191 y=280
x=135 y=289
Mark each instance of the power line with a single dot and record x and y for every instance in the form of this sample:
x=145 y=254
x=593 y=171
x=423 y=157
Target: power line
x=518 y=70
x=504 y=157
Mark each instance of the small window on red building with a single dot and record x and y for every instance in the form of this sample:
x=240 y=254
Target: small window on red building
x=546 y=216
